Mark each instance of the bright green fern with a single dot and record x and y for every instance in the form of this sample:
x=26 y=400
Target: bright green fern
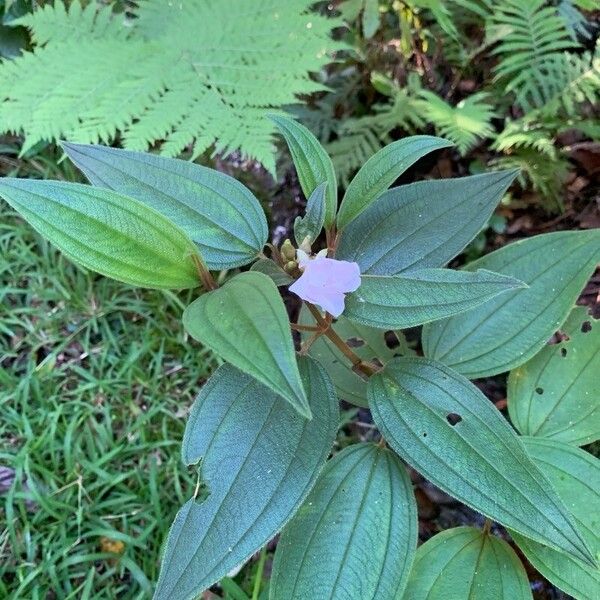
x=200 y=72
x=465 y=124
x=534 y=36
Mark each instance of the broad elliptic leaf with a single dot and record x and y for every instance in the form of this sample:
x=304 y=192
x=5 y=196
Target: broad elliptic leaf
x=273 y=270
x=556 y=393
x=507 y=331
x=465 y=562
x=421 y=225
x=419 y=297
x=355 y=535
x=381 y=170
x=575 y=474
x=217 y=212
x=259 y=461
x=370 y=345
x=311 y=224
x=106 y=232
x=312 y=163
x=445 y=428
x=245 y=322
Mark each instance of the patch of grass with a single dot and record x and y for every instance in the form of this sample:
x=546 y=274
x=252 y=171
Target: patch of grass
x=95 y=382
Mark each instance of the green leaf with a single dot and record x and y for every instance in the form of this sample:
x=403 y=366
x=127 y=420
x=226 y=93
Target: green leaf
x=311 y=161
x=465 y=562
x=245 y=322
x=507 y=331
x=273 y=270
x=381 y=170
x=356 y=534
x=106 y=232
x=421 y=296
x=575 y=475
x=370 y=18
x=217 y=212
x=555 y=394
x=259 y=461
x=365 y=341
x=421 y=225
x=311 y=225
x=444 y=427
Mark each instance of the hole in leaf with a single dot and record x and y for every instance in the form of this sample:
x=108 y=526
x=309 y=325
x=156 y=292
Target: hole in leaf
x=586 y=327
x=355 y=342
x=453 y=418
x=563 y=352
x=391 y=339
x=424 y=434
x=539 y=390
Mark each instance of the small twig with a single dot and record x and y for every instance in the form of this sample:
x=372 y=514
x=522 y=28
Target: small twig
x=297 y=327
x=204 y=274
x=357 y=362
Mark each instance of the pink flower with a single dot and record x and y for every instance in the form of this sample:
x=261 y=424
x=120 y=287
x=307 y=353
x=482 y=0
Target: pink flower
x=326 y=281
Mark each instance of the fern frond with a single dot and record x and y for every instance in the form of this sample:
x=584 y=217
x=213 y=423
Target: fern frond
x=359 y=138
x=536 y=171
x=465 y=124
x=521 y=135
x=534 y=33
x=57 y=23
x=200 y=72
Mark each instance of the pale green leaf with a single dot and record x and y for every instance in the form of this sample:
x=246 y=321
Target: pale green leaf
x=370 y=18
x=259 y=461
x=422 y=296
x=245 y=322
x=465 y=562
x=106 y=232
x=421 y=225
x=355 y=535
x=445 y=428
x=381 y=170
x=217 y=212
x=311 y=161
x=556 y=393
x=507 y=331
x=575 y=474
x=311 y=224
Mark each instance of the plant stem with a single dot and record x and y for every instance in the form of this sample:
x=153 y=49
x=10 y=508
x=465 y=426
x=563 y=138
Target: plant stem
x=297 y=327
x=259 y=573
x=487 y=526
x=204 y=274
x=359 y=365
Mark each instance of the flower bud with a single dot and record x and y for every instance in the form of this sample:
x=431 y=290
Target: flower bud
x=288 y=251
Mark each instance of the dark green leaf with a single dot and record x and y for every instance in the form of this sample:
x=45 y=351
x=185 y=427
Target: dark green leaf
x=466 y=563
x=422 y=296
x=365 y=341
x=421 y=225
x=217 y=212
x=576 y=476
x=381 y=170
x=507 y=331
x=356 y=534
x=311 y=161
x=246 y=323
x=106 y=232
x=273 y=270
x=259 y=461
x=311 y=224
x=12 y=41
x=555 y=394
x=444 y=427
